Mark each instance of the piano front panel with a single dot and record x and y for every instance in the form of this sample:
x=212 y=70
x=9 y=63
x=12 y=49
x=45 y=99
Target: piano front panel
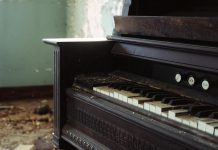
x=116 y=127
x=111 y=129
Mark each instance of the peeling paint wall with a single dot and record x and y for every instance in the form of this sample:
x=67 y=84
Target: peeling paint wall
x=93 y=18
x=24 y=59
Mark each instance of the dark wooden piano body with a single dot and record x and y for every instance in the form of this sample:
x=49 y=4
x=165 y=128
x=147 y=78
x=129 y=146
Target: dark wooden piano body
x=86 y=120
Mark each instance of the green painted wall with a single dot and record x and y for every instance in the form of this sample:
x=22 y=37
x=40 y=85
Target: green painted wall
x=24 y=59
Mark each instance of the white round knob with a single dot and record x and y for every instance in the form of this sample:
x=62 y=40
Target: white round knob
x=191 y=81
x=205 y=84
x=178 y=78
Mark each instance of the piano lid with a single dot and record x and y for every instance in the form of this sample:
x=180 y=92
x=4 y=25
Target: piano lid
x=181 y=20
x=189 y=28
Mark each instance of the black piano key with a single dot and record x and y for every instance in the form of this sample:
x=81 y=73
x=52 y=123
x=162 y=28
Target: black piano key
x=121 y=86
x=166 y=100
x=161 y=96
x=193 y=109
x=214 y=115
x=91 y=85
x=205 y=113
x=116 y=84
x=130 y=88
x=134 y=88
x=152 y=93
x=175 y=102
x=145 y=91
x=113 y=85
x=141 y=90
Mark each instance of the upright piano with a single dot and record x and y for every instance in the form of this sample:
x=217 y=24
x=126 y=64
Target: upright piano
x=152 y=85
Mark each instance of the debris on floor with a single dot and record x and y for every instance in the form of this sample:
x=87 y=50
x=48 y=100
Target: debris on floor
x=25 y=147
x=42 y=144
x=6 y=107
x=43 y=108
x=26 y=123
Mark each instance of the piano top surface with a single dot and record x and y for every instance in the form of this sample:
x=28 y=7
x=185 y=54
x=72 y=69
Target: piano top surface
x=56 y=41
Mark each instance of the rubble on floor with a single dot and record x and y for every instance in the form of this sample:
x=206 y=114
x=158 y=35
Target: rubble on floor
x=25 y=124
x=25 y=147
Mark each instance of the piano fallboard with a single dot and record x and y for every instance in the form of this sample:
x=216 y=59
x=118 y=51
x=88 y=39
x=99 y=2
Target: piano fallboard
x=202 y=57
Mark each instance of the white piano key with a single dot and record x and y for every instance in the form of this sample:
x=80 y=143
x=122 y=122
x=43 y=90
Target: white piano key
x=203 y=123
x=111 y=94
x=120 y=95
x=152 y=106
x=110 y=91
x=107 y=91
x=140 y=100
x=161 y=107
x=101 y=89
x=185 y=120
x=210 y=128
x=164 y=114
x=116 y=95
x=95 y=88
x=147 y=105
x=141 y=106
x=194 y=122
x=129 y=100
x=126 y=94
x=191 y=121
x=125 y=98
x=216 y=132
x=177 y=112
x=178 y=119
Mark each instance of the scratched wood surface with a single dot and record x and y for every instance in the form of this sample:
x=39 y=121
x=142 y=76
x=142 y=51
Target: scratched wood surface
x=189 y=28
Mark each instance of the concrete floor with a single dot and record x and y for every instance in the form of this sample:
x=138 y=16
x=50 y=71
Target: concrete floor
x=20 y=126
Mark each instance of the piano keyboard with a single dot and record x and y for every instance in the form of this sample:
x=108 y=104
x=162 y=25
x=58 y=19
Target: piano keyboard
x=203 y=117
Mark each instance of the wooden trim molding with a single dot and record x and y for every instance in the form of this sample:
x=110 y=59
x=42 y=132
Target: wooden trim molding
x=26 y=92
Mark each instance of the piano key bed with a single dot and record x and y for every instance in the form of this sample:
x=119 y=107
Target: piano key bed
x=181 y=109
x=166 y=104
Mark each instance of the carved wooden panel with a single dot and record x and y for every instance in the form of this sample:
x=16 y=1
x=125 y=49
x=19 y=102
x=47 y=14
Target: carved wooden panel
x=114 y=131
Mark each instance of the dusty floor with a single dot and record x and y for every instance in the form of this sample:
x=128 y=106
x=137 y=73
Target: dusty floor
x=20 y=125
